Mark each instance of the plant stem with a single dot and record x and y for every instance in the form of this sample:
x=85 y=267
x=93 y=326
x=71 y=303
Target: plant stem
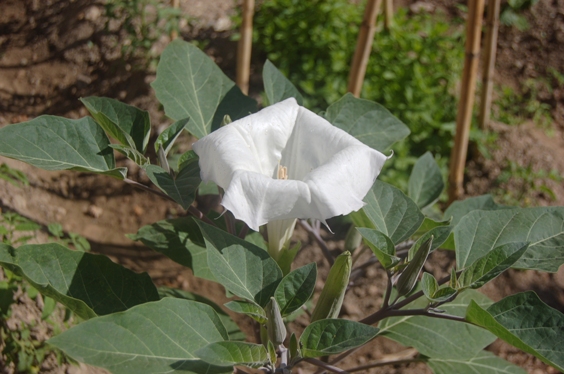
x=379 y=364
x=319 y=241
x=325 y=365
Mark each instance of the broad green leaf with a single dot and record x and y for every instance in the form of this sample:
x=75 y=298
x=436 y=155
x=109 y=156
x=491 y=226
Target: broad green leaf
x=459 y=209
x=129 y=125
x=180 y=240
x=189 y=84
x=86 y=283
x=440 y=234
x=56 y=143
x=409 y=275
x=296 y=288
x=252 y=310
x=480 y=231
x=381 y=245
x=182 y=187
x=389 y=211
x=525 y=322
x=491 y=265
x=158 y=337
x=426 y=181
x=231 y=327
x=234 y=353
x=241 y=267
x=483 y=363
x=277 y=86
x=439 y=338
x=167 y=138
x=331 y=336
x=367 y=121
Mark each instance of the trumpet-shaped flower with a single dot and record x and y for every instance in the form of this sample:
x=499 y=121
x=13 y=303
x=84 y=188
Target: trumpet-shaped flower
x=287 y=162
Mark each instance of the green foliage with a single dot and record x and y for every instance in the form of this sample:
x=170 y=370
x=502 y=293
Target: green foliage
x=412 y=72
x=512 y=13
x=515 y=107
x=13 y=176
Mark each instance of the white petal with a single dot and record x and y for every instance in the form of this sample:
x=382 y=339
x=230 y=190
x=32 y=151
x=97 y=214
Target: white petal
x=253 y=143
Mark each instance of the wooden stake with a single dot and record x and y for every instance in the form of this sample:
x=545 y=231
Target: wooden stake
x=174 y=32
x=245 y=45
x=363 y=46
x=388 y=13
x=464 y=115
x=489 y=62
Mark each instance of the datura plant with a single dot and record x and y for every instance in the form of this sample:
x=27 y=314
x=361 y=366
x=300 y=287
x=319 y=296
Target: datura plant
x=274 y=168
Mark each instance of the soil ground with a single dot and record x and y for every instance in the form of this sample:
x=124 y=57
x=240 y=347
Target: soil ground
x=53 y=52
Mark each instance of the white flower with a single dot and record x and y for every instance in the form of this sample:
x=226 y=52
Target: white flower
x=287 y=162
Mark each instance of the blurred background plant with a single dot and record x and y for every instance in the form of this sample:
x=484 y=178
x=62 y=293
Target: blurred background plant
x=512 y=13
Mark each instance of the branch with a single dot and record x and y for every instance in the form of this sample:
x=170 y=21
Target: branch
x=325 y=365
x=319 y=241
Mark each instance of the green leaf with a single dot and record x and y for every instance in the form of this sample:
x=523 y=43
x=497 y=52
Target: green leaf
x=86 y=283
x=131 y=154
x=439 y=338
x=479 y=232
x=231 y=327
x=189 y=84
x=381 y=245
x=252 y=310
x=492 y=264
x=432 y=292
x=426 y=181
x=389 y=211
x=180 y=240
x=181 y=188
x=167 y=138
x=367 y=121
x=241 y=267
x=459 y=209
x=483 y=363
x=440 y=234
x=56 y=143
x=156 y=337
x=277 y=86
x=129 y=125
x=296 y=288
x=234 y=353
x=527 y=323
x=331 y=336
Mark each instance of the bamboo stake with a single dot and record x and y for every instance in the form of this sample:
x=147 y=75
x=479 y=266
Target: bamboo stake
x=489 y=62
x=464 y=115
x=363 y=46
x=388 y=14
x=245 y=45
x=174 y=32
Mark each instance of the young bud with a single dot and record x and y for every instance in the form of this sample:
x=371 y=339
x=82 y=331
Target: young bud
x=275 y=325
x=333 y=293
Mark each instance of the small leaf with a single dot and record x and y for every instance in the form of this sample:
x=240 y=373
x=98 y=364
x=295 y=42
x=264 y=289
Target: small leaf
x=389 y=211
x=86 y=283
x=234 y=353
x=429 y=285
x=129 y=125
x=56 y=143
x=491 y=265
x=241 y=267
x=525 y=322
x=275 y=324
x=332 y=295
x=367 y=121
x=277 y=86
x=131 y=154
x=440 y=234
x=294 y=348
x=483 y=363
x=409 y=275
x=182 y=188
x=296 y=288
x=252 y=310
x=381 y=245
x=331 y=336
x=189 y=84
x=426 y=181
x=167 y=138
x=155 y=337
